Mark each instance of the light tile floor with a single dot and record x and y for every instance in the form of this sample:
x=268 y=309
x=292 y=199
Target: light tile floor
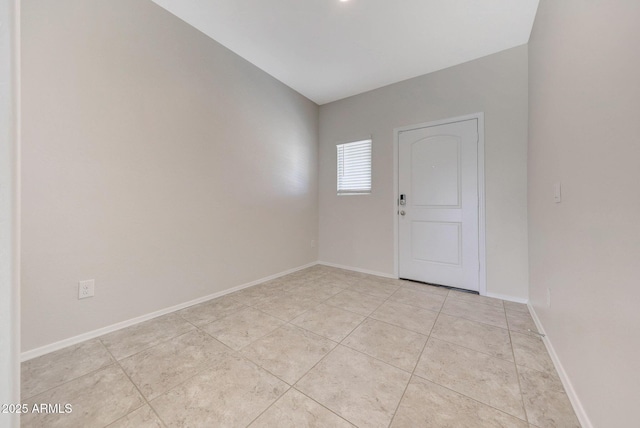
x=321 y=347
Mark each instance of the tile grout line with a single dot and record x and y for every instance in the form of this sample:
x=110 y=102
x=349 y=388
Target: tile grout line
x=206 y=367
x=395 y=412
x=484 y=305
x=475 y=350
x=330 y=352
x=164 y=339
x=323 y=406
x=137 y=389
x=366 y=317
x=515 y=365
x=292 y=386
x=112 y=362
x=149 y=347
x=246 y=306
x=470 y=398
x=270 y=405
x=340 y=343
x=480 y=302
x=465 y=395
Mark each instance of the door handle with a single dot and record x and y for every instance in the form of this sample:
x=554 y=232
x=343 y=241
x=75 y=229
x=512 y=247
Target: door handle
x=402 y=212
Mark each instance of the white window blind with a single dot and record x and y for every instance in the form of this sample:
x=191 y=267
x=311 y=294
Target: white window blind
x=354 y=167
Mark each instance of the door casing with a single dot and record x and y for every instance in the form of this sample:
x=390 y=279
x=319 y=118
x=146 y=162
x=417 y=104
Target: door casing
x=482 y=276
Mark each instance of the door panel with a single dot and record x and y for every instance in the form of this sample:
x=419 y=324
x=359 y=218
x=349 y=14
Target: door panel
x=438 y=175
x=447 y=235
x=435 y=167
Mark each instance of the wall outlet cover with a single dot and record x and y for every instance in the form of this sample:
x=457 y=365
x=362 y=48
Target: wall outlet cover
x=86 y=288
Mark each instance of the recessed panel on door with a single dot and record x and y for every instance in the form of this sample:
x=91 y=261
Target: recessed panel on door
x=436 y=242
x=436 y=183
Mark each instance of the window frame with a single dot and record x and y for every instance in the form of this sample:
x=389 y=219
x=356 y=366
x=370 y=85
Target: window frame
x=340 y=161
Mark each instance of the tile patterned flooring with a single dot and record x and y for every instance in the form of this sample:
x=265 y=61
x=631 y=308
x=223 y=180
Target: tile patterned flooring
x=321 y=347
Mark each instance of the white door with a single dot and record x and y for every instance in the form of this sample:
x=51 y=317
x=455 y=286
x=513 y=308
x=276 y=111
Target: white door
x=438 y=211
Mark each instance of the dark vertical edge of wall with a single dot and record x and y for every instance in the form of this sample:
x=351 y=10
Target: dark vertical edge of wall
x=9 y=214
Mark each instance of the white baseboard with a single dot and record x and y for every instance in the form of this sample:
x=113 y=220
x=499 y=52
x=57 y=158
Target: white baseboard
x=37 y=352
x=369 y=272
x=507 y=298
x=564 y=378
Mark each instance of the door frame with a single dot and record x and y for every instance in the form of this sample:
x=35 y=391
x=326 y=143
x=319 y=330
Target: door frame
x=482 y=274
x=10 y=207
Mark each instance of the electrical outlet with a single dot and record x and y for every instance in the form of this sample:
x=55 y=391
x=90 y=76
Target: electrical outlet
x=548 y=297
x=86 y=288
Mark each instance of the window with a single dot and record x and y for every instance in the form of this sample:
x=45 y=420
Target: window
x=354 y=168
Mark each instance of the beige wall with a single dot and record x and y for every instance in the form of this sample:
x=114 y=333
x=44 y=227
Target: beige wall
x=9 y=218
x=357 y=231
x=155 y=161
x=584 y=106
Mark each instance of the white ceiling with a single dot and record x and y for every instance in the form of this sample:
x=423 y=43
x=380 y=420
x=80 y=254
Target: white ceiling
x=328 y=49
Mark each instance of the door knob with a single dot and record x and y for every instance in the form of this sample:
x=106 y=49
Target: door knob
x=402 y=213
